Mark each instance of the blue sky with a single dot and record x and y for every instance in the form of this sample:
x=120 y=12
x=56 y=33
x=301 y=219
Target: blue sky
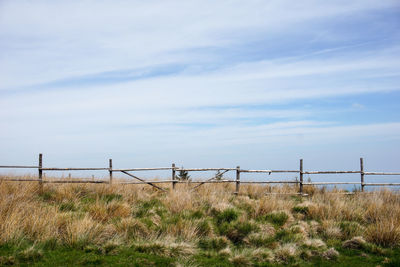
x=201 y=83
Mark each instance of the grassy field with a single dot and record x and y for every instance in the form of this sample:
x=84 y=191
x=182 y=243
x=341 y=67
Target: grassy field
x=134 y=225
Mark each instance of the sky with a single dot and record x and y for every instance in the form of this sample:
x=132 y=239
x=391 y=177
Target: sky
x=258 y=84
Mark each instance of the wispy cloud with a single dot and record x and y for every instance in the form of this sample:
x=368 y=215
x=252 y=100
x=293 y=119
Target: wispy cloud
x=94 y=76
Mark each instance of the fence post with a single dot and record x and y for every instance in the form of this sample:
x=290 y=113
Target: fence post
x=110 y=170
x=301 y=176
x=40 y=172
x=362 y=173
x=237 y=180
x=173 y=176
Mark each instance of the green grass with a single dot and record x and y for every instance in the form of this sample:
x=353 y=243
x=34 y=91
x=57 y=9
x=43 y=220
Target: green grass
x=278 y=219
x=153 y=230
x=350 y=229
x=67 y=206
x=300 y=209
x=227 y=215
x=217 y=243
x=76 y=257
x=286 y=236
x=236 y=231
x=146 y=206
x=147 y=256
x=110 y=197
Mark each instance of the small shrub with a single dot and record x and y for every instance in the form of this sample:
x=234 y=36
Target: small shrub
x=278 y=219
x=183 y=175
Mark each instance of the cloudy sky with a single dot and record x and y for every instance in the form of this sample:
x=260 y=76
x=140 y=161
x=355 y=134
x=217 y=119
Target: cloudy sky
x=201 y=83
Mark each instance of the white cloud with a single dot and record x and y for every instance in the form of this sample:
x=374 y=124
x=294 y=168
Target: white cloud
x=218 y=100
x=72 y=38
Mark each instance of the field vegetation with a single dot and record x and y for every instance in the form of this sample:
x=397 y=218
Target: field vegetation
x=135 y=225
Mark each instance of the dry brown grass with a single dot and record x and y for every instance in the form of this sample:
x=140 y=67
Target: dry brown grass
x=78 y=215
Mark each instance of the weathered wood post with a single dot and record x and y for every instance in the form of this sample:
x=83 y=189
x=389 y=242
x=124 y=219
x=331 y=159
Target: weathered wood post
x=237 y=180
x=110 y=170
x=362 y=173
x=173 y=176
x=40 y=172
x=301 y=176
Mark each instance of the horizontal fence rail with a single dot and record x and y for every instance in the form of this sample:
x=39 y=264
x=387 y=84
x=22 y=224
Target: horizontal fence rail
x=75 y=169
x=144 y=169
x=382 y=173
x=269 y=171
x=206 y=169
x=330 y=172
x=74 y=182
x=217 y=178
x=20 y=167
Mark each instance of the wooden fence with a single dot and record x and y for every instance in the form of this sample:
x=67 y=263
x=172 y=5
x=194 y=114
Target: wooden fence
x=214 y=179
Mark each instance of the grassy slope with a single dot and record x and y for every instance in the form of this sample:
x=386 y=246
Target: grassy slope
x=138 y=226
x=130 y=257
